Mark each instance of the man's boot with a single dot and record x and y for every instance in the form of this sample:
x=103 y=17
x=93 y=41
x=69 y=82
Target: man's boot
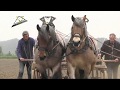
x=20 y=75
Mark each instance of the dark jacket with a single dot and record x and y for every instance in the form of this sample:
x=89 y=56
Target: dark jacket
x=25 y=48
x=109 y=50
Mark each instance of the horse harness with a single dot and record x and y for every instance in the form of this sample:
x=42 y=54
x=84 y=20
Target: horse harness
x=52 y=51
x=83 y=49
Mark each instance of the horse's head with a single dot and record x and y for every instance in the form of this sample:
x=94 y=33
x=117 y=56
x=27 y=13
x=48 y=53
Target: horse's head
x=46 y=38
x=78 y=30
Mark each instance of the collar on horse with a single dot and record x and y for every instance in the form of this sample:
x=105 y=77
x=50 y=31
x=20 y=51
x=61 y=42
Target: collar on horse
x=48 y=52
x=83 y=49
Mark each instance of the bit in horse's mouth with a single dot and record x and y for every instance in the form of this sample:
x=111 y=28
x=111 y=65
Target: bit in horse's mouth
x=76 y=43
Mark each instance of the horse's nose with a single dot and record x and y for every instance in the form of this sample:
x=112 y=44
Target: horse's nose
x=76 y=39
x=42 y=54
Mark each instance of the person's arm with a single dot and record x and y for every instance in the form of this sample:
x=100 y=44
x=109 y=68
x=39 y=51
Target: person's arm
x=33 y=42
x=103 y=48
x=118 y=52
x=18 y=52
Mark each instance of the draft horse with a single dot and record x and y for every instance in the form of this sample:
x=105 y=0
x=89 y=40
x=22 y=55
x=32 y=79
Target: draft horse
x=81 y=50
x=49 y=52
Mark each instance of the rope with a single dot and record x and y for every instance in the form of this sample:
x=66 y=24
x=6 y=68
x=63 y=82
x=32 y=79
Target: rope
x=111 y=54
x=107 y=46
x=97 y=41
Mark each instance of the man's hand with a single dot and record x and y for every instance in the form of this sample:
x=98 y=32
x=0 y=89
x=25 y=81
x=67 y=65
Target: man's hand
x=99 y=55
x=116 y=60
x=22 y=59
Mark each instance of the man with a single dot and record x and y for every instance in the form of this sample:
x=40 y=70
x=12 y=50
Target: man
x=108 y=48
x=25 y=51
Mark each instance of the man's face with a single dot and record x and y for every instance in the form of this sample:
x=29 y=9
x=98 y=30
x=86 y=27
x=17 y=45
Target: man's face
x=26 y=37
x=112 y=38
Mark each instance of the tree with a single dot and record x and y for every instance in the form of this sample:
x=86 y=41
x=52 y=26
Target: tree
x=9 y=53
x=1 y=52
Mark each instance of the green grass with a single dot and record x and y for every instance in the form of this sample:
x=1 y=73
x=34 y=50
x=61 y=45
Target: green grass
x=8 y=57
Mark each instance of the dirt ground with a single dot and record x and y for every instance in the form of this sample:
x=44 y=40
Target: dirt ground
x=9 y=69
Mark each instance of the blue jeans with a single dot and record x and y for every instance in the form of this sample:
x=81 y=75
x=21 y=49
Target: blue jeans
x=112 y=70
x=21 y=69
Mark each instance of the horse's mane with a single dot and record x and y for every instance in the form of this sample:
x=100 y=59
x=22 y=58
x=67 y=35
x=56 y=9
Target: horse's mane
x=79 y=22
x=51 y=31
x=60 y=38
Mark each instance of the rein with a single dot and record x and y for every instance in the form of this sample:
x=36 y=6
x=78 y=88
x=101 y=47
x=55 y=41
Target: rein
x=107 y=46
x=49 y=52
x=81 y=50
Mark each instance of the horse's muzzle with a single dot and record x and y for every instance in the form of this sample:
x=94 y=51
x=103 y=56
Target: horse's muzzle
x=42 y=55
x=77 y=44
x=76 y=40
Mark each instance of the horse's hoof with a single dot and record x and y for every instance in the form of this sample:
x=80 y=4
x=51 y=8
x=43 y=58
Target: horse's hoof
x=66 y=77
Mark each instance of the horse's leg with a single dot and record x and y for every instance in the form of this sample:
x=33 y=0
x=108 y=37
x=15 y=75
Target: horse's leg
x=49 y=73
x=77 y=73
x=71 y=71
x=44 y=75
x=87 y=71
x=82 y=74
x=57 y=72
x=92 y=69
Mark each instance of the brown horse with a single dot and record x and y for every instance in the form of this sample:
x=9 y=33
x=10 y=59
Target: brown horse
x=49 y=52
x=80 y=53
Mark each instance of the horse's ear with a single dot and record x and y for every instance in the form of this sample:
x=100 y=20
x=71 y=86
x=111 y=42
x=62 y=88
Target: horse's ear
x=42 y=19
x=84 y=18
x=73 y=18
x=38 y=27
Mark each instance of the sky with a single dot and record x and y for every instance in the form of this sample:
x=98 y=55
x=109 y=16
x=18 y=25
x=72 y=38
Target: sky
x=101 y=23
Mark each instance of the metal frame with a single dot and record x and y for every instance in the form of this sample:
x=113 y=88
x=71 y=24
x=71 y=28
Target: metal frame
x=20 y=21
